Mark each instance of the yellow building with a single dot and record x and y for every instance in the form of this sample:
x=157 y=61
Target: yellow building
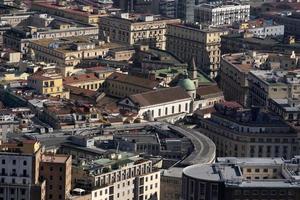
x=48 y=82
x=132 y=29
x=69 y=51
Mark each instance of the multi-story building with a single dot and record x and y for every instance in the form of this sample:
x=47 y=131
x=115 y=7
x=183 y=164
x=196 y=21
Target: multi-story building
x=272 y=84
x=84 y=14
x=121 y=85
x=20 y=161
x=224 y=14
x=249 y=132
x=235 y=68
x=56 y=171
x=48 y=82
x=291 y=22
x=168 y=8
x=235 y=43
x=287 y=108
x=171 y=184
x=89 y=81
x=185 y=9
x=261 y=28
x=120 y=176
x=187 y=41
x=69 y=51
x=233 y=178
x=133 y=28
x=42 y=26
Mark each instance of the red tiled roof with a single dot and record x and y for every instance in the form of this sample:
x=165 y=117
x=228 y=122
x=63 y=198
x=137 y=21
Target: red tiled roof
x=208 y=90
x=80 y=78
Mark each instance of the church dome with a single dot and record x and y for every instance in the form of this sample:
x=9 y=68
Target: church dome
x=187 y=84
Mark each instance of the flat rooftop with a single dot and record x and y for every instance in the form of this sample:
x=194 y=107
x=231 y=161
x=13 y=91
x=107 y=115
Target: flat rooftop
x=55 y=158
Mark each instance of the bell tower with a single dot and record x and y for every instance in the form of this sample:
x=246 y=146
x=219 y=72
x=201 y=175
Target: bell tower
x=193 y=72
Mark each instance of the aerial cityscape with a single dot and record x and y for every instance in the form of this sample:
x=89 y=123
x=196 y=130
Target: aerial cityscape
x=150 y=100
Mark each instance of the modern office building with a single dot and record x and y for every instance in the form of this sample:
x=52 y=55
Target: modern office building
x=187 y=41
x=232 y=178
x=249 y=132
x=135 y=28
x=221 y=14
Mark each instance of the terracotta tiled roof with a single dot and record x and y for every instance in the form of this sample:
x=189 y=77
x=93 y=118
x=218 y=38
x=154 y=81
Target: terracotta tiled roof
x=133 y=80
x=208 y=90
x=80 y=78
x=81 y=91
x=159 y=96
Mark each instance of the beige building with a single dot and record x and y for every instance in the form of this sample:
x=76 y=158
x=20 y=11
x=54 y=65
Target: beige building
x=56 y=171
x=83 y=14
x=132 y=29
x=272 y=84
x=235 y=68
x=187 y=41
x=89 y=81
x=69 y=51
x=119 y=176
x=122 y=85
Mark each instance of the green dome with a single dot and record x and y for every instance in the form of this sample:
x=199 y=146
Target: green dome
x=187 y=84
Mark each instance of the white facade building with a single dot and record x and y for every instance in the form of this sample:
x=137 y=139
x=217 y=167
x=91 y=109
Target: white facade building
x=159 y=103
x=221 y=14
x=264 y=31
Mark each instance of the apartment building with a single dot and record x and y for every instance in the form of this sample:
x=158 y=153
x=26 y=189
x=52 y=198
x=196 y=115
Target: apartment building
x=272 y=84
x=42 y=26
x=84 y=14
x=56 y=171
x=187 y=41
x=48 y=82
x=235 y=69
x=20 y=161
x=135 y=28
x=232 y=178
x=69 y=51
x=249 y=132
x=261 y=28
x=221 y=14
x=119 y=176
